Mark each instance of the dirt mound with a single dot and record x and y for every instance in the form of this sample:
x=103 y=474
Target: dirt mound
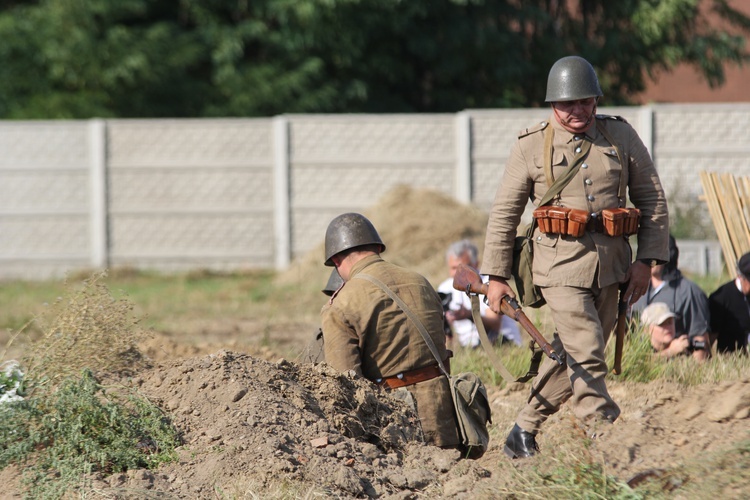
x=416 y=225
x=253 y=424
x=259 y=429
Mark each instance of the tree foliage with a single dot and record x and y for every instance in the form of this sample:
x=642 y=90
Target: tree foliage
x=151 y=58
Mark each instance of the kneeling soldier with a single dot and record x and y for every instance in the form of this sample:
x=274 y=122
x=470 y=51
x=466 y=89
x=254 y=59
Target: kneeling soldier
x=366 y=331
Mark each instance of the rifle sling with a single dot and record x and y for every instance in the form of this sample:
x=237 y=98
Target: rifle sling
x=536 y=357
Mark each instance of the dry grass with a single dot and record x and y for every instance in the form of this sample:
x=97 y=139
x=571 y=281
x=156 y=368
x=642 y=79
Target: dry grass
x=86 y=328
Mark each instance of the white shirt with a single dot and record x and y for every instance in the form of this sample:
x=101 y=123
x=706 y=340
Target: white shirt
x=464 y=329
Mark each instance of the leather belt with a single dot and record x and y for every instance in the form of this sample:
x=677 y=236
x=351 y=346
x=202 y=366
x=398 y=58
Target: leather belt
x=414 y=376
x=595 y=223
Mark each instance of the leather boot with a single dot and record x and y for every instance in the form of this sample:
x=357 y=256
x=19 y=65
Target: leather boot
x=520 y=444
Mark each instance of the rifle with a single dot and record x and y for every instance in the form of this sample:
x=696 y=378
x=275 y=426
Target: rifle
x=622 y=326
x=467 y=280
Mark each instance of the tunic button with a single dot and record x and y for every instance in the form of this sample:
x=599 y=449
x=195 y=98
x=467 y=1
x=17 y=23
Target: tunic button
x=538 y=238
x=590 y=197
x=575 y=137
x=588 y=182
x=585 y=165
x=578 y=150
x=612 y=152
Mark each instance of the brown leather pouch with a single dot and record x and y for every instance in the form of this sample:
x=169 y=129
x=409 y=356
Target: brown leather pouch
x=559 y=219
x=632 y=221
x=614 y=221
x=541 y=215
x=577 y=220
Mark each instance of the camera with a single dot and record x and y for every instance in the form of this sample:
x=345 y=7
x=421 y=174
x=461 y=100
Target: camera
x=445 y=301
x=697 y=344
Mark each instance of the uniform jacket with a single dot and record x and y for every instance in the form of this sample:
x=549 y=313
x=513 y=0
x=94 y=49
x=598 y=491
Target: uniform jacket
x=365 y=331
x=564 y=260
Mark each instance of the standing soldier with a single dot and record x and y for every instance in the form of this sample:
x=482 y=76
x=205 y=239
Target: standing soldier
x=578 y=272
x=366 y=331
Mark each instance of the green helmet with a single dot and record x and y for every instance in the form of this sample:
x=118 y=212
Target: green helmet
x=572 y=78
x=348 y=231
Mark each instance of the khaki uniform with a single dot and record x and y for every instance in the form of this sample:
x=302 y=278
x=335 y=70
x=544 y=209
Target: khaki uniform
x=578 y=276
x=365 y=331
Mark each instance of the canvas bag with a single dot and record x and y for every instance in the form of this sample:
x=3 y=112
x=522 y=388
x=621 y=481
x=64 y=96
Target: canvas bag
x=529 y=295
x=471 y=405
x=473 y=412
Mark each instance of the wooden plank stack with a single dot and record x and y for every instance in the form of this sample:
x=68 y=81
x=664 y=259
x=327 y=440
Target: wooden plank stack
x=728 y=200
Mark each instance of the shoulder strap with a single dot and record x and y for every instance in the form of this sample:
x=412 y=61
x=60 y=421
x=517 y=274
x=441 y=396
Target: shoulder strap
x=562 y=181
x=410 y=314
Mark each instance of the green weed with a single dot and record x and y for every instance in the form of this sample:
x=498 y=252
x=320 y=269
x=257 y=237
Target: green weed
x=68 y=426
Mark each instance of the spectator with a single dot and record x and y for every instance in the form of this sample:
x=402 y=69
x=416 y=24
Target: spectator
x=459 y=317
x=682 y=296
x=659 y=322
x=730 y=310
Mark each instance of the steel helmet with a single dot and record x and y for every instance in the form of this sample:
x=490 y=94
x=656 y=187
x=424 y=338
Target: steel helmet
x=334 y=283
x=572 y=78
x=348 y=231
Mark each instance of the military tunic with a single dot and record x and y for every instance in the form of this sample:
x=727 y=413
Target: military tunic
x=365 y=331
x=578 y=276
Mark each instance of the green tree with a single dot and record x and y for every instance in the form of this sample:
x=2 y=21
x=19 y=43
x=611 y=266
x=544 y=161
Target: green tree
x=153 y=58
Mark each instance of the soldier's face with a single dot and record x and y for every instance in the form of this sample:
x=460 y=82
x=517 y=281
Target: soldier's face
x=575 y=116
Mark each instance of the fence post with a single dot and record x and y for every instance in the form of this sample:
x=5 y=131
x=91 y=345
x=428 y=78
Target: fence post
x=282 y=210
x=462 y=180
x=646 y=127
x=97 y=134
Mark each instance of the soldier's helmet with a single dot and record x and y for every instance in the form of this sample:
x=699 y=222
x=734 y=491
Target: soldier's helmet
x=334 y=283
x=572 y=78
x=348 y=231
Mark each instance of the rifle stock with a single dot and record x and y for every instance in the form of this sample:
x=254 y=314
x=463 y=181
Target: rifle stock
x=468 y=280
x=622 y=320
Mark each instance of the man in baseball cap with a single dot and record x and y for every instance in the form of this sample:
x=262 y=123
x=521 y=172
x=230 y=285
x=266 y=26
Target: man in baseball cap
x=659 y=323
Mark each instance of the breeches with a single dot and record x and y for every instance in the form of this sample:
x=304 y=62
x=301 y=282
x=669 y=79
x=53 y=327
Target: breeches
x=584 y=319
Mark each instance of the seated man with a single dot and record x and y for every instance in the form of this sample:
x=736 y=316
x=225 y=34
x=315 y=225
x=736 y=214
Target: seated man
x=458 y=315
x=366 y=331
x=682 y=296
x=659 y=323
x=730 y=310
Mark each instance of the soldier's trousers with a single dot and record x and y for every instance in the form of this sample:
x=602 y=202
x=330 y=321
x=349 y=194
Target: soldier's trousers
x=584 y=319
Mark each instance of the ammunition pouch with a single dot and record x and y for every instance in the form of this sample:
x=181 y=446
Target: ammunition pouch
x=561 y=220
x=620 y=221
x=574 y=222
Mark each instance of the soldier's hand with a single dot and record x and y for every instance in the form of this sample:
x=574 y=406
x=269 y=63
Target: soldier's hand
x=498 y=288
x=638 y=276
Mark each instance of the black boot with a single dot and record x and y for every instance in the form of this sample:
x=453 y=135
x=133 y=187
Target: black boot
x=520 y=444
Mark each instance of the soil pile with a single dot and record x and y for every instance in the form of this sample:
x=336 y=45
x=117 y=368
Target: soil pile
x=416 y=225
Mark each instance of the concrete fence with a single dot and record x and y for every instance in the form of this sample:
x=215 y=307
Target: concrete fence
x=228 y=194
